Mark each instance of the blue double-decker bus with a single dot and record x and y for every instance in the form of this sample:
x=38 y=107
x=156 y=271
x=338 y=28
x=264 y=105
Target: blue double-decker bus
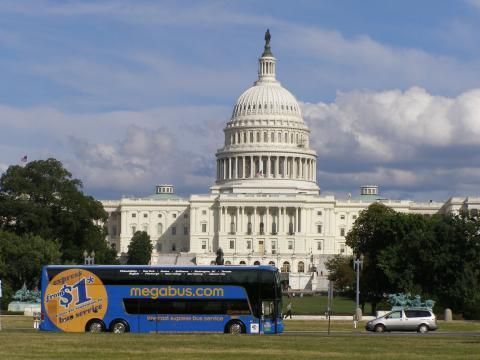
x=231 y=299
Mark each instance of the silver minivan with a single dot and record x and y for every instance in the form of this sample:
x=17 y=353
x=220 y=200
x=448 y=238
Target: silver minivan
x=408 y=319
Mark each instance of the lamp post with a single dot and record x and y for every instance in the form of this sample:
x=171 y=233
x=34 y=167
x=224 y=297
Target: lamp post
x=357 y=265
x=89 y=259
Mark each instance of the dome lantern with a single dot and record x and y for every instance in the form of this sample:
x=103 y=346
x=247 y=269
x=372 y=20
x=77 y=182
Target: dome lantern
x=266 y=64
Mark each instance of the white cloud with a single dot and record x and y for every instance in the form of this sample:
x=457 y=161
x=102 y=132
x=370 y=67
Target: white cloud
x=410 y=140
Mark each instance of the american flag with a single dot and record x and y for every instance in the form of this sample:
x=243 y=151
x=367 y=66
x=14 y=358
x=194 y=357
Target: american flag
x=24 y=159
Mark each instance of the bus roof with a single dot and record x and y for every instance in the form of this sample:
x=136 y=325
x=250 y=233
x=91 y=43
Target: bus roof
x=177 y=267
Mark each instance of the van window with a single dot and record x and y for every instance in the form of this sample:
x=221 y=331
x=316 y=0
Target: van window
x=394 y=315
x=417 y=313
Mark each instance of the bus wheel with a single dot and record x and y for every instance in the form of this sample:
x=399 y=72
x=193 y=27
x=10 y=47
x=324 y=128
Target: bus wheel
x=119 y=326
x=95 y=326
x=235 y=327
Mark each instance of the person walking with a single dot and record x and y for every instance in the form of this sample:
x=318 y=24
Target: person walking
x=289 y=311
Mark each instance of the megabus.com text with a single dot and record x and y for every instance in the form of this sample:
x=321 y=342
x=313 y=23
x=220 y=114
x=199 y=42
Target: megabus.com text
x=168 y=291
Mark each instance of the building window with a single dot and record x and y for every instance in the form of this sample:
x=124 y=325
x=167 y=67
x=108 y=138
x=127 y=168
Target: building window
x=174 y=247
x=204 y=228
x=159 y=215
x=290 y=245
x=354 y=217
x=319 y=245
x=204 y=212
x=274 y=229
x=301 y=267
x=185 y=230
x=159 y=228
x=174 y=216
x=342 y=231
x=249 y=228
x=342 y=248
x=134 y=215
x=134 y=230
x=256 y=263
x=204 y=244
x=249 y=244
x=342 y=217
x=242 y=262
x=145 y=215
x=271 y=263
x=286 y=267
x=232 y=244
x=261 y=229
x=319 y=228
x=228 y=263
x=174 y=230
x=319 y=213
x=274 y=247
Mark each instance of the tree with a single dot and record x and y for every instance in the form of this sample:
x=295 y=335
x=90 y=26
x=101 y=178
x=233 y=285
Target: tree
x=43 y=199
x=22 y=257
x=436 y=257
x=340 y=271
x=140 y=249
x=372 y=232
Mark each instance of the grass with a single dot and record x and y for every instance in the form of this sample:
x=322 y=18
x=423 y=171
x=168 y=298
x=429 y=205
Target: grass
x=343 y=343
x=317 y=305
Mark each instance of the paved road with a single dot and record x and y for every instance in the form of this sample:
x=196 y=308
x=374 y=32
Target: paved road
x=366 y=333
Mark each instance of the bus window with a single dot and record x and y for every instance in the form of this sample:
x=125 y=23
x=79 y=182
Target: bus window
x=192 y=307
x=267 y=308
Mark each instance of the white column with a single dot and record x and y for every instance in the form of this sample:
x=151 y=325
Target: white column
x=281 y=220
x=251 y=166
x=225 y=216
x=243 y=167
x=254 y=222
x=269 y=166
x=296 y=220
x=266 y=221
x=242 y=215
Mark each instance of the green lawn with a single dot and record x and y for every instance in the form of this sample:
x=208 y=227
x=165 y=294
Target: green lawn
x=317 y=305
x=18 y=342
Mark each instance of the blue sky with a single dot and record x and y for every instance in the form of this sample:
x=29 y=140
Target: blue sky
x=128 y=94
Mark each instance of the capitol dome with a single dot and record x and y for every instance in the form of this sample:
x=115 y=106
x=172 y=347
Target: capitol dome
x=266 y=145
x=267 y=99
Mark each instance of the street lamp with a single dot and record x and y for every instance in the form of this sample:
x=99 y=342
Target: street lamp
x=357 y=265
x=89 y=259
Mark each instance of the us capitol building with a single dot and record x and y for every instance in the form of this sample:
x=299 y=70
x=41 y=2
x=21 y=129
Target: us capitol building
x=265 y=206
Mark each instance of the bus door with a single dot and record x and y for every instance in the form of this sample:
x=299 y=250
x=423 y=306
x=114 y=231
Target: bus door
x=268 y=317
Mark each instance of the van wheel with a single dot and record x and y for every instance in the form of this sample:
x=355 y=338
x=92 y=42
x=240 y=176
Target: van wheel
x=119 y=326
x=95 y=326
x=422 y=329
x=379 y=328
x=235 y=327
